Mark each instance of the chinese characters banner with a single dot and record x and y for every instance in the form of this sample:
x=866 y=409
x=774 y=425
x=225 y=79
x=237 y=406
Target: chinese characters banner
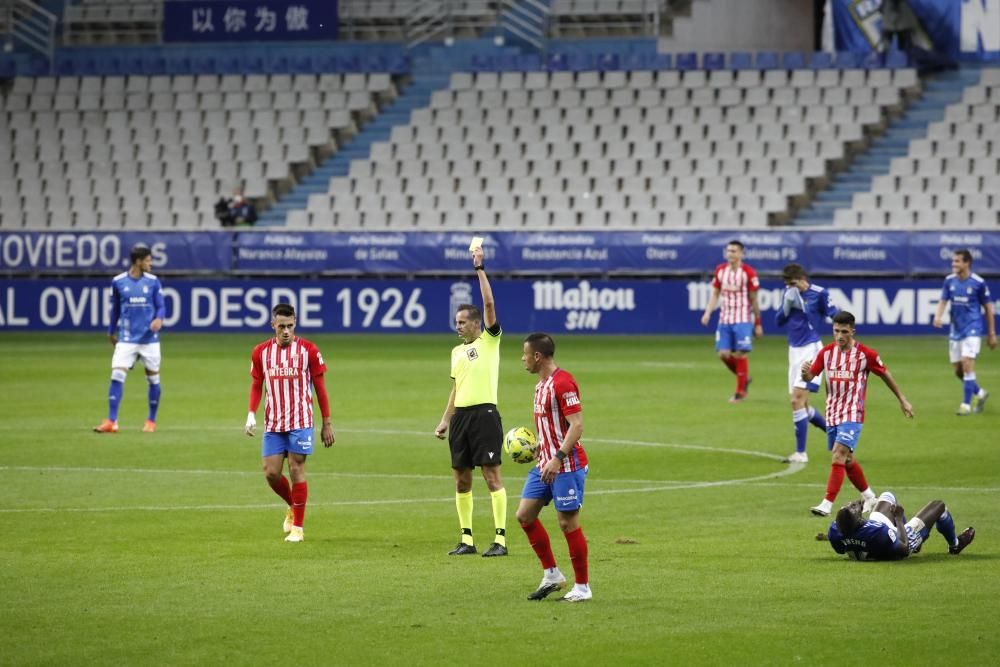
x=249 y=20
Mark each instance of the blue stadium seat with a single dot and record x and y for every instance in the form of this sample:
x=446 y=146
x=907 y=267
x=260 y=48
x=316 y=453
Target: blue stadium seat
x=740 y=60
x=713 y=61
x=607 y=62
x=793 y=60
x=230 y=63
x=203 y=65
x=847 y=60
x=897 y=59
x=687 y=61
x=768 y=60
x=8 y=68
x=177 y=64
x=66 y=66
x=153 y=64
x=663 y=61
x=822 y=60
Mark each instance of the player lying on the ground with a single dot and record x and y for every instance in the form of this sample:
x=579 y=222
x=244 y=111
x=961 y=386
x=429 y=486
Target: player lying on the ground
x=887 y=535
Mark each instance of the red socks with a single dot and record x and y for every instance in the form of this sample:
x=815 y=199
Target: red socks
x=578 y=555
x=837 y=472
x=742 y=371
x=282 y=488
x=299 y=494
x=857 y=476
x=730 y=363
x=538 y=538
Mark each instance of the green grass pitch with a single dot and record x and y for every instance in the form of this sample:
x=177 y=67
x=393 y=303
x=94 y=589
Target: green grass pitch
x=166 y=548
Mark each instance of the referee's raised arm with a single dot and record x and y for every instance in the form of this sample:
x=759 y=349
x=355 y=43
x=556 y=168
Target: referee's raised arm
x=489 y=306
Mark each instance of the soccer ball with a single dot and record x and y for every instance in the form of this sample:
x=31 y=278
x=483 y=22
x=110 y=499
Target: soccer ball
x=521 y=445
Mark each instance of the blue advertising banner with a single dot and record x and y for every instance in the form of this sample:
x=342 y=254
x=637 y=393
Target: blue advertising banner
x=858 y=253
x=249 y=20
x=550 y=304
x=108 y=252
x=538 y=253
x=962 y=29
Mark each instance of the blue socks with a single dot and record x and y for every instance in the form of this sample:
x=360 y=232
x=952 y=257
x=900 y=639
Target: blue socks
x=154 y=395
x=946 y=526
x=801 y=421
x=969 y=387
x=816 y=419
x=115 y=398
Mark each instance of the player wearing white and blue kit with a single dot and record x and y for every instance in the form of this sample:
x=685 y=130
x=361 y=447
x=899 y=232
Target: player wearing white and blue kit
x=804 y=310
x=137 y=311
x=969 y=297
x=887 y=535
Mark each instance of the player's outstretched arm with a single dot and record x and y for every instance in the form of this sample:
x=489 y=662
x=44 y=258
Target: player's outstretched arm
x=904 y=404
x=713 y=301
x=326 y=433
x=938 y=322
x=256 y=392
x=991 y=326
x=442 y=427
x=489 y=305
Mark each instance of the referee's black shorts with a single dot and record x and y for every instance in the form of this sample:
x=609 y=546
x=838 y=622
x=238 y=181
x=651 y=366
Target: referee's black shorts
x=475 y=436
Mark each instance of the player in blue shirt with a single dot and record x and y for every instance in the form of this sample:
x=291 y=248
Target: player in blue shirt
x=137 y=312
x=969 y=297
x=803 y=313
x=887 y=535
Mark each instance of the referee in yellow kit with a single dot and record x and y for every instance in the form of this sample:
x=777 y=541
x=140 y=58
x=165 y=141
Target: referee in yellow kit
x=476 y=436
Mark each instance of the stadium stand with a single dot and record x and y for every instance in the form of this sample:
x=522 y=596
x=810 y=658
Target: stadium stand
x=138 y=151
x=638 y=149
x=99 y=22
x=948 y=179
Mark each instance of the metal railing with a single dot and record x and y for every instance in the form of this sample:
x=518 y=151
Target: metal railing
x=31 y=25
x=526 y=19
x=437 y=19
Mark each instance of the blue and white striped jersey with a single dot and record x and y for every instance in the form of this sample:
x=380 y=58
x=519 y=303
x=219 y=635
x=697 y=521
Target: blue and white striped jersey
x=135 y=303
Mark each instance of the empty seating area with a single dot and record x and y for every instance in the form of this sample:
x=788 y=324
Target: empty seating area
x=643 y=149
x=578 y=18
x=134 y=152
x=949 y=179
x=392 y=20
x=96 y=22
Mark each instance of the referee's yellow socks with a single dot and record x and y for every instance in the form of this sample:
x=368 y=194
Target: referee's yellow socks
x=499 y=500
x=463 y=501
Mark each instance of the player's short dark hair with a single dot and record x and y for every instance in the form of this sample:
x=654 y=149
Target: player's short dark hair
x=138 y=252
x=474 y=312
x=964 y=254
x=844 y=317
x=737 y=243
x=793 y=272
x=541 y=343
x=283 y=310
x=847 y=521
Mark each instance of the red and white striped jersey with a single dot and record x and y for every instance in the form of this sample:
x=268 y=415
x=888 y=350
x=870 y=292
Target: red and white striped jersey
x=846 y=380
x=734 y=287
x=287 y=373
x=555 y=397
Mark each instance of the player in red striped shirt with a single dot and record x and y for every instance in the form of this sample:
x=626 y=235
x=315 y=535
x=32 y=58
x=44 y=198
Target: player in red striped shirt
x=734 y=289
x=847 y=364
x=288 y=367
x=561 y=470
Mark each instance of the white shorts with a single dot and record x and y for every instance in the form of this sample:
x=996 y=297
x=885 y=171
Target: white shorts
x=914 y=537
x=796 y=357
x=967 y=347
x=126 y=354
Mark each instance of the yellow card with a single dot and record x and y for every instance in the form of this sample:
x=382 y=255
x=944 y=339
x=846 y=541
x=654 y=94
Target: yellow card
x=477 y=242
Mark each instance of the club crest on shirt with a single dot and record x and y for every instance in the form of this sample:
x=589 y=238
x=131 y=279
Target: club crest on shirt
x=472 y=353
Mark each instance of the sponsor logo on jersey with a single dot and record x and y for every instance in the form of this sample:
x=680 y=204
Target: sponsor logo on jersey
x=284 y=372
x=472 y=353
x=841 y=375
x=571 y=398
